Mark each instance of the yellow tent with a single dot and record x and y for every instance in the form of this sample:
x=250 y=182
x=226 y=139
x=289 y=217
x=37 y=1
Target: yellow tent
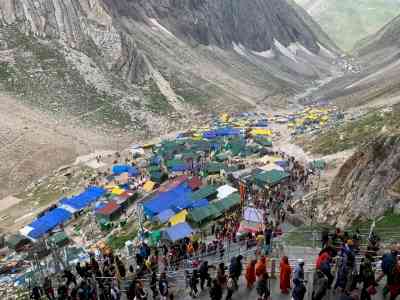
x=269 y=159
x=149 y=186
x=117 y=191
x=179 y=217
x=225 y=117
x=258 y=131
x=110 y=186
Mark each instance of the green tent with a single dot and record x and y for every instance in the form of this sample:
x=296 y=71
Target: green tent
x=154 y=168
x=205 y=192
x=228 y=203
x=270 y=178
x=263 y=141
x=222 y=157
x=158 y=177
x=154 y=238
x=205 y=213
x=59 y=239
x=214 y=167
x=318 y=165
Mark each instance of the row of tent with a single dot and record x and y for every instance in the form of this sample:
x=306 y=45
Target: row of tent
x=62 y=213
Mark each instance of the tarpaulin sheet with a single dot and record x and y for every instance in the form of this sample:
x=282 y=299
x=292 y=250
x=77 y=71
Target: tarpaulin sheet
x=179 y=217
x=178 y=232
x=119 y=169
x=252 y=214
x=85 y=199
x=199 y=203
x=165 y=215
x=48 y=222
x=175 y=198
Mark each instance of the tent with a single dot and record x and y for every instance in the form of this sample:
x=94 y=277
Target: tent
x=84 y=199
x=252 y=214
x=246 y=227
x=179 y=217
x=228 y=203
x=172 y=184
x=199 y=203
x=202 y=214
x=176 y=165
x=165 y=215
x=48 y=222
x=109 y=212
x=195 y=183
x=119 y=169
x=149 y=186
x=59 y=239
x=17 y=242
x=158 y=177
x=318 y=165
x=214 y=167
x=206 y=192
x=175 y=198
x=261 y=131
x=117 y=191
x=178 y=232
x=225 y=190
x=270 y=178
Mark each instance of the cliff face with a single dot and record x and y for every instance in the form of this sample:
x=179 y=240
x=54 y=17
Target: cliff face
x=367 y=185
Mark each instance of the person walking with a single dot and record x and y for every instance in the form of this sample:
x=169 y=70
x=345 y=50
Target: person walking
x=285 y=275
x=251 y=274
x=163 y=286
x=299 y=288
x=367 y=278
x=153 y=285
x=216 y=290
x=204 y=275
x=231 y=286
x=263 y=290
x=261 y=267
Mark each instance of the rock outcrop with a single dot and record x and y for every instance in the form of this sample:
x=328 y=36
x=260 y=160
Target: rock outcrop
x=367 y=185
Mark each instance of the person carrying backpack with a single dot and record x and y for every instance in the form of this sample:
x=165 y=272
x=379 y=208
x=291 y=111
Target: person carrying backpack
x=388 y=263
x=367 y=278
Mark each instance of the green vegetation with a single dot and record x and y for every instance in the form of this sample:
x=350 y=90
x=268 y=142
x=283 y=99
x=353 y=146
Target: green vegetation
x=347 y=22
x=303 y=235
x=118 y=241
x=156 y=101
x=351 y=134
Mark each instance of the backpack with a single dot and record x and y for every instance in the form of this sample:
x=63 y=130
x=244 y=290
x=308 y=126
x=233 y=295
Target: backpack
x=231 y=284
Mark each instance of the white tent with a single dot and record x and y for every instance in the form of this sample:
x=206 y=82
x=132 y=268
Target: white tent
x=225 y=190
x=253 y=215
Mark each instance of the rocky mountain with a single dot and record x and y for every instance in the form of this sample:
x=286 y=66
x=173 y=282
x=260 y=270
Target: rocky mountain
x=367 y=185
x=130 y=69
x=350 y=21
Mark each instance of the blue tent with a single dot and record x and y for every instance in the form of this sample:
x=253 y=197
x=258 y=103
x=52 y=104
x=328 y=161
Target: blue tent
x=178 y=232
x=85 y=199
x=221 y=132
x=282 y=163
x=199 y=203
x=179 y=197
x=48 y=222
x=119 y=169
x=165 y=215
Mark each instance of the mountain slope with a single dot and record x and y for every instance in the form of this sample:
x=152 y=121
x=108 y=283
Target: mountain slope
x=135 y=68
x=350 y=21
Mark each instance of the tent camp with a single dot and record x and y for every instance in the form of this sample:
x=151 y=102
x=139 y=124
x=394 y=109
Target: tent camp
x=178 y=232
x=270 y=178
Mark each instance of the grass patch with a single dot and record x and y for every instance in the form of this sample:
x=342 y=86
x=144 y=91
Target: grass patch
x=156 y=101
x=351 y=134
x=303 y=235
x=117 y=242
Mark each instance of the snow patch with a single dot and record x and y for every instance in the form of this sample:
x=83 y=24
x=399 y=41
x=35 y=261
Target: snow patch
x=285 y=51
x=325 y=52
x=158 y=26
x=266 y=54
x=239 y=49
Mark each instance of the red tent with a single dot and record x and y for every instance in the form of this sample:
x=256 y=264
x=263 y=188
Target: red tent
x=195 y=183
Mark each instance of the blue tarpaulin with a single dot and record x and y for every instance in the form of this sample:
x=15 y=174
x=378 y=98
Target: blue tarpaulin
x=282 y=163
x=48 y=222
x=199 y=203
x=221 y=132
x=177 y=198
x=85 y=199
x=119 y=169
x=165 y=215
x=178 y=232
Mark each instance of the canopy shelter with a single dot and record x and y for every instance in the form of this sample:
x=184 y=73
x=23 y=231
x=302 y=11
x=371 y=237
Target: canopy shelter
x=228 y=203
x=225 y=190
x=179 y=217
x=270 y=178
x=178 y=198
x=119 y=169
x=17 y=242
x=253 y=215
x=250 y=227
x=206 y=192
x=261 y=132
x=110 y=212
x=165 y=215
x=158 y=177
x=149 y=186
x=195 y=183
x=199 y=203
x=176 y=165
x=172 y=184
x=59 y=239
x=221 y=132
x=214 y=167
x=48 y=222
x=265 y=142
x=178 y=232
x=318 y=165
x=203 y=214
x=82 y=200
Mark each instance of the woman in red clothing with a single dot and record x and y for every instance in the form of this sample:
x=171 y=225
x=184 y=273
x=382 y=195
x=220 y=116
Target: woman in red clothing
x=285 y=275
x=251 y=274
